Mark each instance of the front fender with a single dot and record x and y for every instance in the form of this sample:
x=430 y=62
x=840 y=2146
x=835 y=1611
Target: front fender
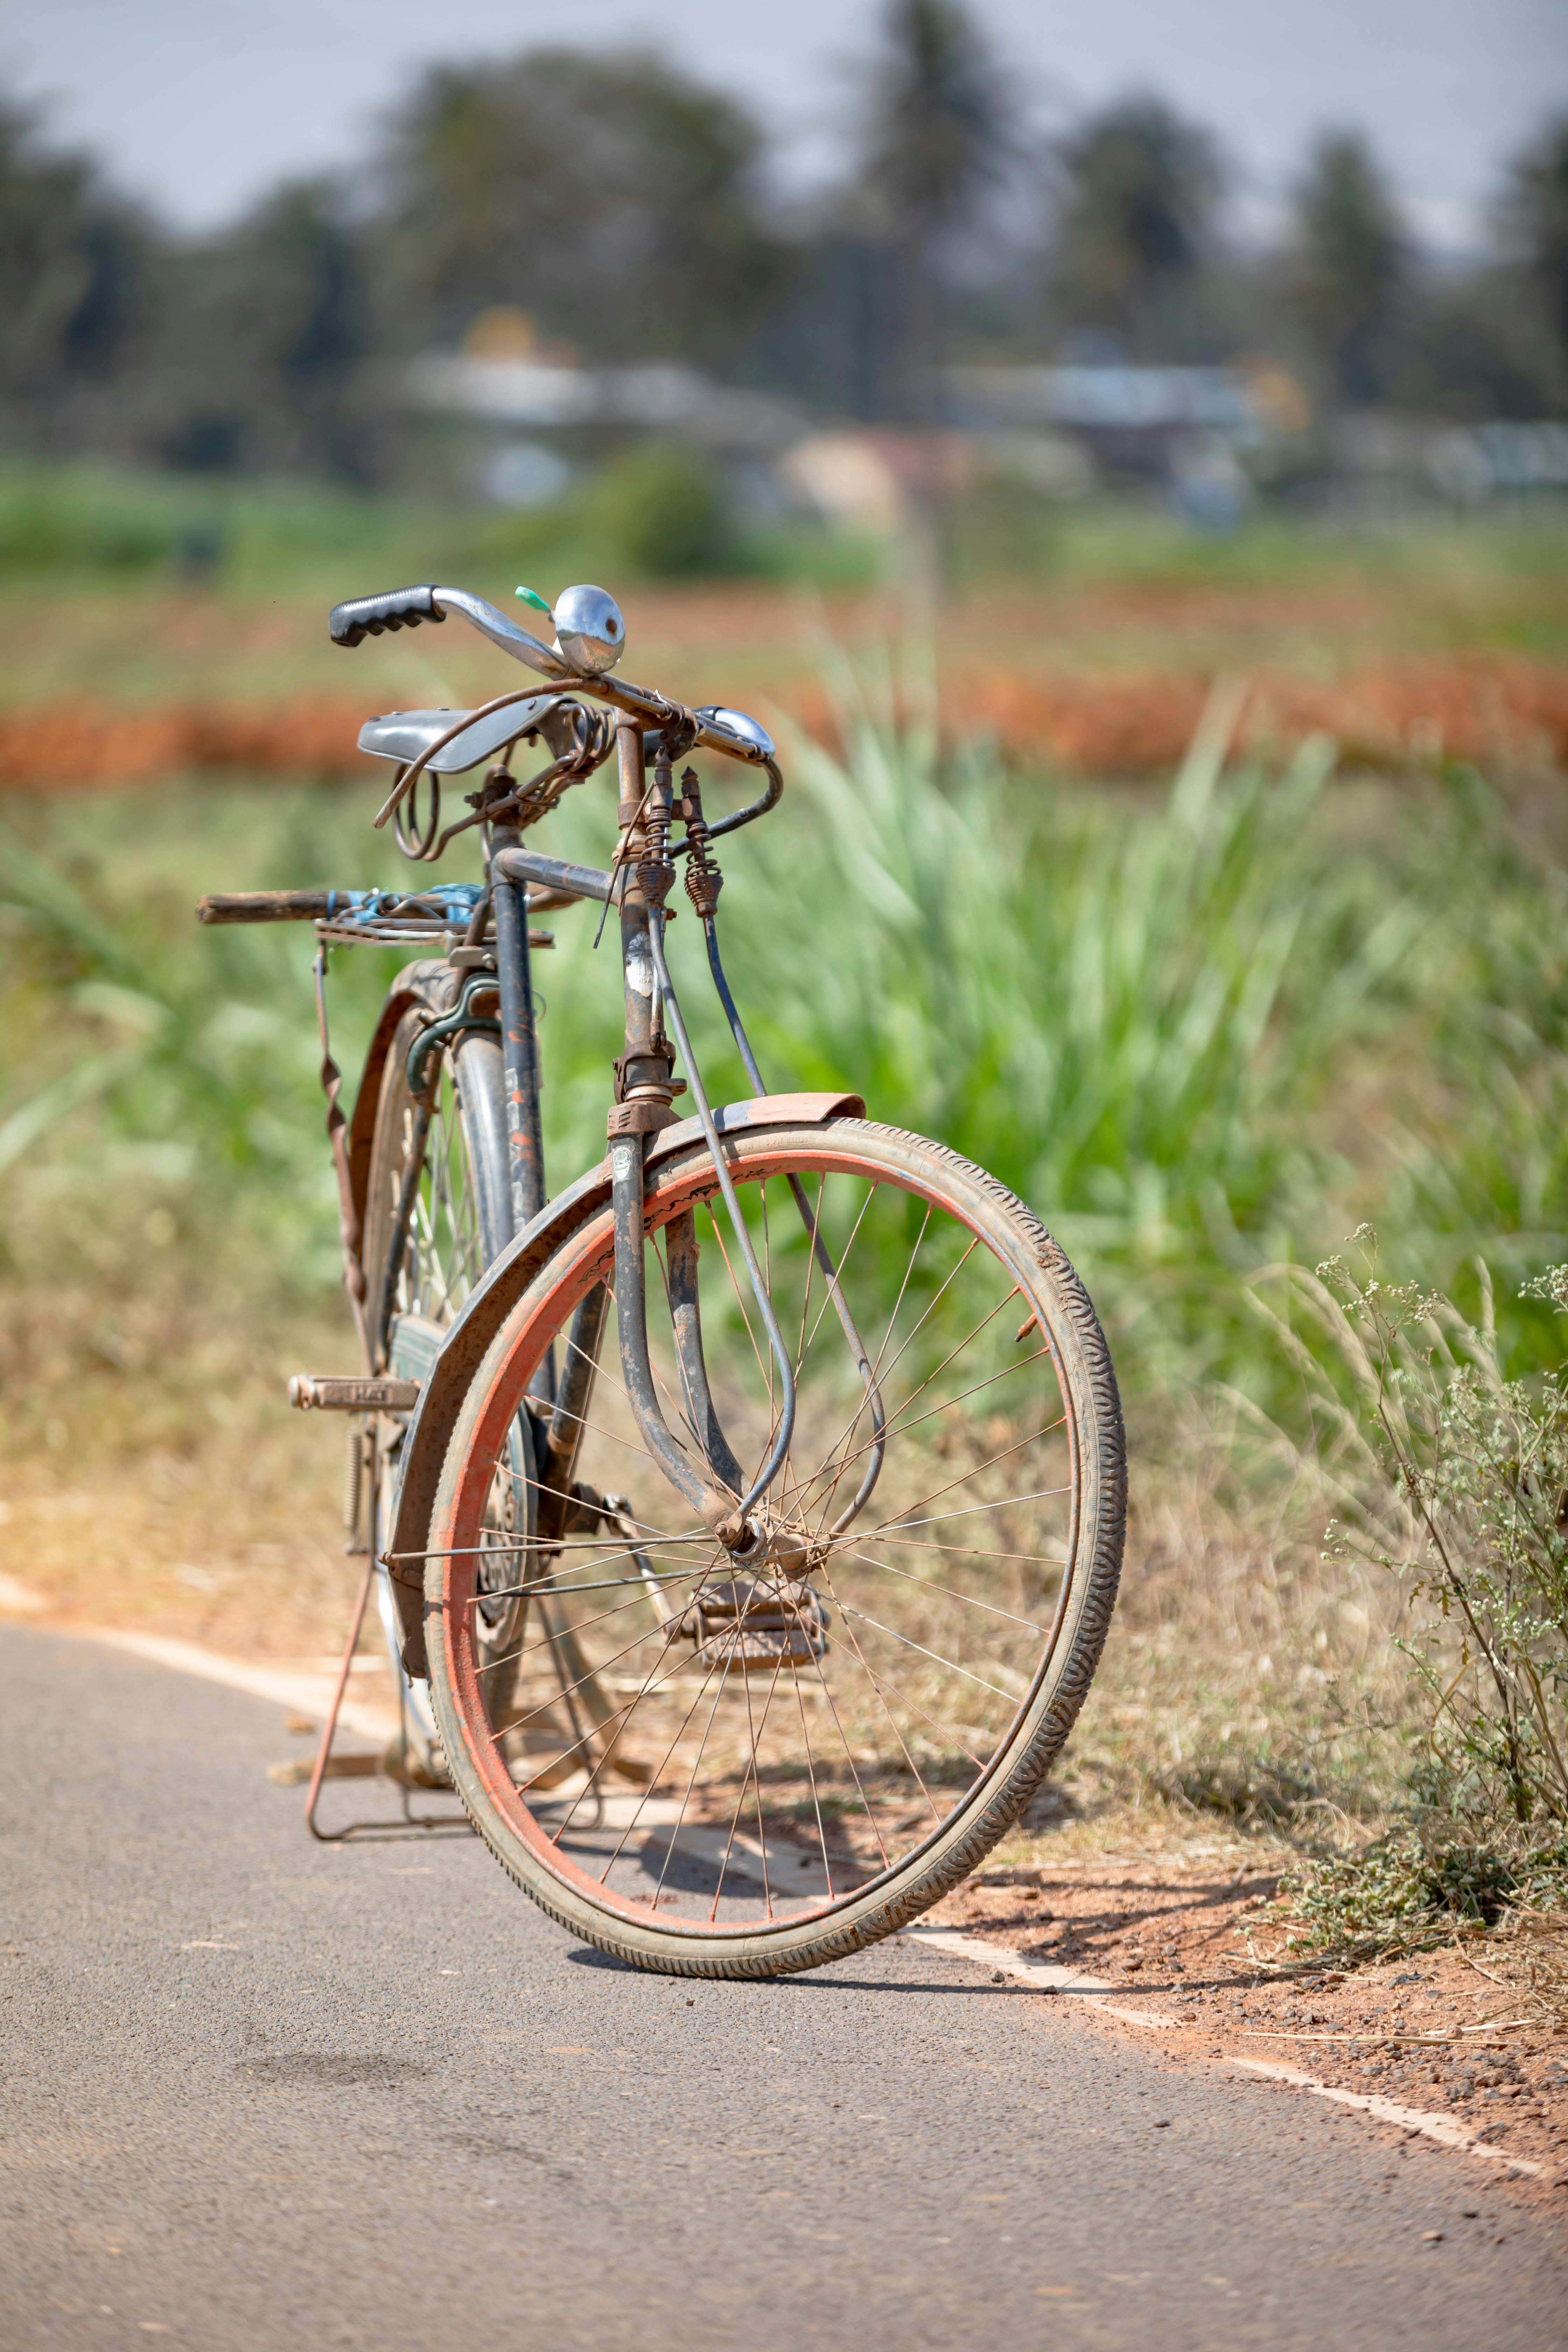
x=468 y=1341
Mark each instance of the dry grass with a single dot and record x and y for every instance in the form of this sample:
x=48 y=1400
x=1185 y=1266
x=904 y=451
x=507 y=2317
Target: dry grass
x=1250 y=1699
x=154 y=1479
x=1529 y=1962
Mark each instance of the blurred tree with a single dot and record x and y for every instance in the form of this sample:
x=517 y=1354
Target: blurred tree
x=265 y=336
x=1535 y=222
x=1139 y=193
x=616 y=202
x=1493 y=340
x=1349 y=267
x=73 y=279
x=938 y=135
x=1477 y=347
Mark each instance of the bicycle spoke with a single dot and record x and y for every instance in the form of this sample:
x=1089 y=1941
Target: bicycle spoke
x=686 y=1800
x=844 y=1464
x=657 y=1777
x=811 y=1774
x=889 y=1713
x=747 y=1779
x=970 y=1600
x=951 y=1664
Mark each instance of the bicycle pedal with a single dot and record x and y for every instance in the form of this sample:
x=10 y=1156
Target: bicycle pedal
x=334 y=1393
x=752 y=1627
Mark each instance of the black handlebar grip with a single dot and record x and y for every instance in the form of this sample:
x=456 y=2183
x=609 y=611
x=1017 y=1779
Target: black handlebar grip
x=394 y=608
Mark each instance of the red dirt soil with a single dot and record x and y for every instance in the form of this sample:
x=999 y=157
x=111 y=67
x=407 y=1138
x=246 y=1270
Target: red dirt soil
x=1500 y=712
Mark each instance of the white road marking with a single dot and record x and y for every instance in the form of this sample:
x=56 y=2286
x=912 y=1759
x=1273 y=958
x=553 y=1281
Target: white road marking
x=1442 y=2128
x=1046 y=1975
x=1050 y=1977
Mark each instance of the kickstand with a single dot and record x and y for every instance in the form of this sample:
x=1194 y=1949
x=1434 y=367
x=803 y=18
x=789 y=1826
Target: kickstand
x=329 y=1731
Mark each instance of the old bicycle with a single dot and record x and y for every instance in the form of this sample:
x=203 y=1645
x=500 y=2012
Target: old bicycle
x=747 y=1515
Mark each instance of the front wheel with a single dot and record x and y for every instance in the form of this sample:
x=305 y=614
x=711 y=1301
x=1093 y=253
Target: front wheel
x=822 y=1742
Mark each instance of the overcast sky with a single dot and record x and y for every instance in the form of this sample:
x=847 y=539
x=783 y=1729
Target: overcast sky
x=197 y=105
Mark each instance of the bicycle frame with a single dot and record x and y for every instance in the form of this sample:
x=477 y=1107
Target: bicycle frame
x=650 y=732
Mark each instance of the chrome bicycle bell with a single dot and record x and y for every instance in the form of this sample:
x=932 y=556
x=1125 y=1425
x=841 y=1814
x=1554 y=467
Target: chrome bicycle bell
x=589 y=629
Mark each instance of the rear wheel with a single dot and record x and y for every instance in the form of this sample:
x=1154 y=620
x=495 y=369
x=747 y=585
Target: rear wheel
x=826 y=1738
x=437 y=1211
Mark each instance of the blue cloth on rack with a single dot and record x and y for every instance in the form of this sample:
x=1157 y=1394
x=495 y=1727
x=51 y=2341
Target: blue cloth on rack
x=453 y=902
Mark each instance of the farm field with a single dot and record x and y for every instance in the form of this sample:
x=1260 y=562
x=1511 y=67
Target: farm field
x=1087 y=654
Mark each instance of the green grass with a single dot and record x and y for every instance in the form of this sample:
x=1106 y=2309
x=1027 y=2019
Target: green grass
x=73 y=524
x=652 y=514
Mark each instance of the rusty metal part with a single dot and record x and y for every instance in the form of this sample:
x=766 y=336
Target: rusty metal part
x=753 y=1627
x=407 y=778
x=555 y=876
x=644 y=1116
x=358 y=1473
x=777 y=1542
x=649 y=1073
x=349 y=1392
x=500 y=796
x=703 y=879
x=265 y=905
x=643 y=1089
x=523 y=805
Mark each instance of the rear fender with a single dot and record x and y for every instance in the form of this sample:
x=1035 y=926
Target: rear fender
x=428 y=984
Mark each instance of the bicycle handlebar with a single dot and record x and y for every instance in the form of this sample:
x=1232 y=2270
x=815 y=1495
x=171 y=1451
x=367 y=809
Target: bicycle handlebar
x=404 y=608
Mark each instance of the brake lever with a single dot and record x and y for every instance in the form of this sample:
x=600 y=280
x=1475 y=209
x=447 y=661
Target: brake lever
x=504 y=632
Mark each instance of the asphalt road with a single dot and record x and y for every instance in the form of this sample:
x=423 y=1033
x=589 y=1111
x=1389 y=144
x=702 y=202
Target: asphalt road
x=259 y=2093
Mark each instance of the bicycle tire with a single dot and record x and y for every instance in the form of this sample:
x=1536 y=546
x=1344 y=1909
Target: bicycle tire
x=516 y=1822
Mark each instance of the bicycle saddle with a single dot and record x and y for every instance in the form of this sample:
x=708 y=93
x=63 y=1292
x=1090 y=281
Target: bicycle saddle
x=404 y=734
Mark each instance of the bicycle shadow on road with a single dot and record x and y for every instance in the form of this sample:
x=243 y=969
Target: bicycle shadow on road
x=584 y=1956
